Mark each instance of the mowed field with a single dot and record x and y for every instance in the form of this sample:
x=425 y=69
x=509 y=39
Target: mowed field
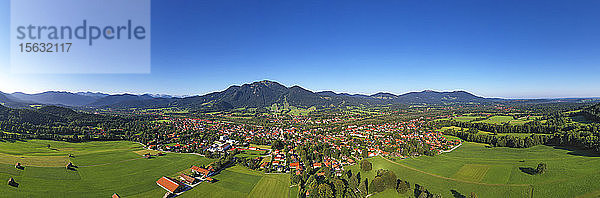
x=239 y=181
x=104 y=168
x=499 y=172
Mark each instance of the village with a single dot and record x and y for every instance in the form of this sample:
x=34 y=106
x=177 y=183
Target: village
x=287 y=148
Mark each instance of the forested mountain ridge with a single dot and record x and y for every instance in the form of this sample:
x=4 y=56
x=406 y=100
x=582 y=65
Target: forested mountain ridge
x=57 y=98
x=8 y=100
x=255 y=95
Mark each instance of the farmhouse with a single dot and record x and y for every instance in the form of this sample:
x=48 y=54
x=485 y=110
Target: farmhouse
x=188 y=179
x=170 y=184
x=201 y=171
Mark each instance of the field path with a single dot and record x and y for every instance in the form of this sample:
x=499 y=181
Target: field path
x=453 y=179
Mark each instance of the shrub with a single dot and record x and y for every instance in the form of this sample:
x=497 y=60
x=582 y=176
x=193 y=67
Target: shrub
x=366 y=165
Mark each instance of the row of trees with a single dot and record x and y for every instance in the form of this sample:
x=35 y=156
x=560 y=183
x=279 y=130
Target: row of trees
x=501 y=140
x=529 y=127
x=576 y=135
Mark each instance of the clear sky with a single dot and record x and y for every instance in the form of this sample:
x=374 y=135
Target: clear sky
x=510 y=49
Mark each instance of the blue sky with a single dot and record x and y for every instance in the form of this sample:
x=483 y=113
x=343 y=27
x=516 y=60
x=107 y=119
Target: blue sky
x=510 y=49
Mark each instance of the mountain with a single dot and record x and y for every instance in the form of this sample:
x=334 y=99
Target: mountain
x=257 y=94
x=252 y=95
x=267 y=93
x=57 y=98
x=10 y=101
x=434 y=97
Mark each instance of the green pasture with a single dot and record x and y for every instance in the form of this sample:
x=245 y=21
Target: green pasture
x=238 y=181
x=499 y=172
x=496 y=120
x=103 y=168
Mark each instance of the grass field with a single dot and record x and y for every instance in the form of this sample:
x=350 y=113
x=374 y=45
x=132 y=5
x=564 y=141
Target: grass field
x=392 y=193
x=472 y=172
x=497 y=120
x=251 y=154
x=483 y=132
x=238 y=181
x=466 y=118
x=272 y=185
x=260 y=146
x=497 y=172
x=103 y=169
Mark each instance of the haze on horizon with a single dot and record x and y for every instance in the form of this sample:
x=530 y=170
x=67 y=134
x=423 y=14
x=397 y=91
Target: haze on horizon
x=506 y=49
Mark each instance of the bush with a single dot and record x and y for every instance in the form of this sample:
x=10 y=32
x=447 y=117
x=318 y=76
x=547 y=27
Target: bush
x=389 y=177
x=366 y=165
x=541 y=168
x=377 y=185
x=403 y=187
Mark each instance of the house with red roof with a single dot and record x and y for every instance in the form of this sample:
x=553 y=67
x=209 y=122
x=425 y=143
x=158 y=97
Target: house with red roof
x=190 y=180
x=201 y=171
x=170 y=184
x=316 y=165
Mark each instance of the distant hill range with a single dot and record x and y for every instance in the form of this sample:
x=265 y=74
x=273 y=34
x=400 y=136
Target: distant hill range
x=252 y=95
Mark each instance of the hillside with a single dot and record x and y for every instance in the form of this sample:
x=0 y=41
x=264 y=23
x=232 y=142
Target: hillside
x=57 y=98
x=434 y=97
x=48 y=115
x=10 y=101
x=35 y=117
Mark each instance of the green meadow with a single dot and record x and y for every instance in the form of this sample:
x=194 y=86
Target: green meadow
x=498 y=172
x=497 y=120
x=239 y=181
x=467 y=118
x=104 y=168
x=483 y=132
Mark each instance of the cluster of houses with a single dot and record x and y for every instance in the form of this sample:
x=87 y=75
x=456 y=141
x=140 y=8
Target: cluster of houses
x=349 y=141
x=184 y=182
x=222 y=145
